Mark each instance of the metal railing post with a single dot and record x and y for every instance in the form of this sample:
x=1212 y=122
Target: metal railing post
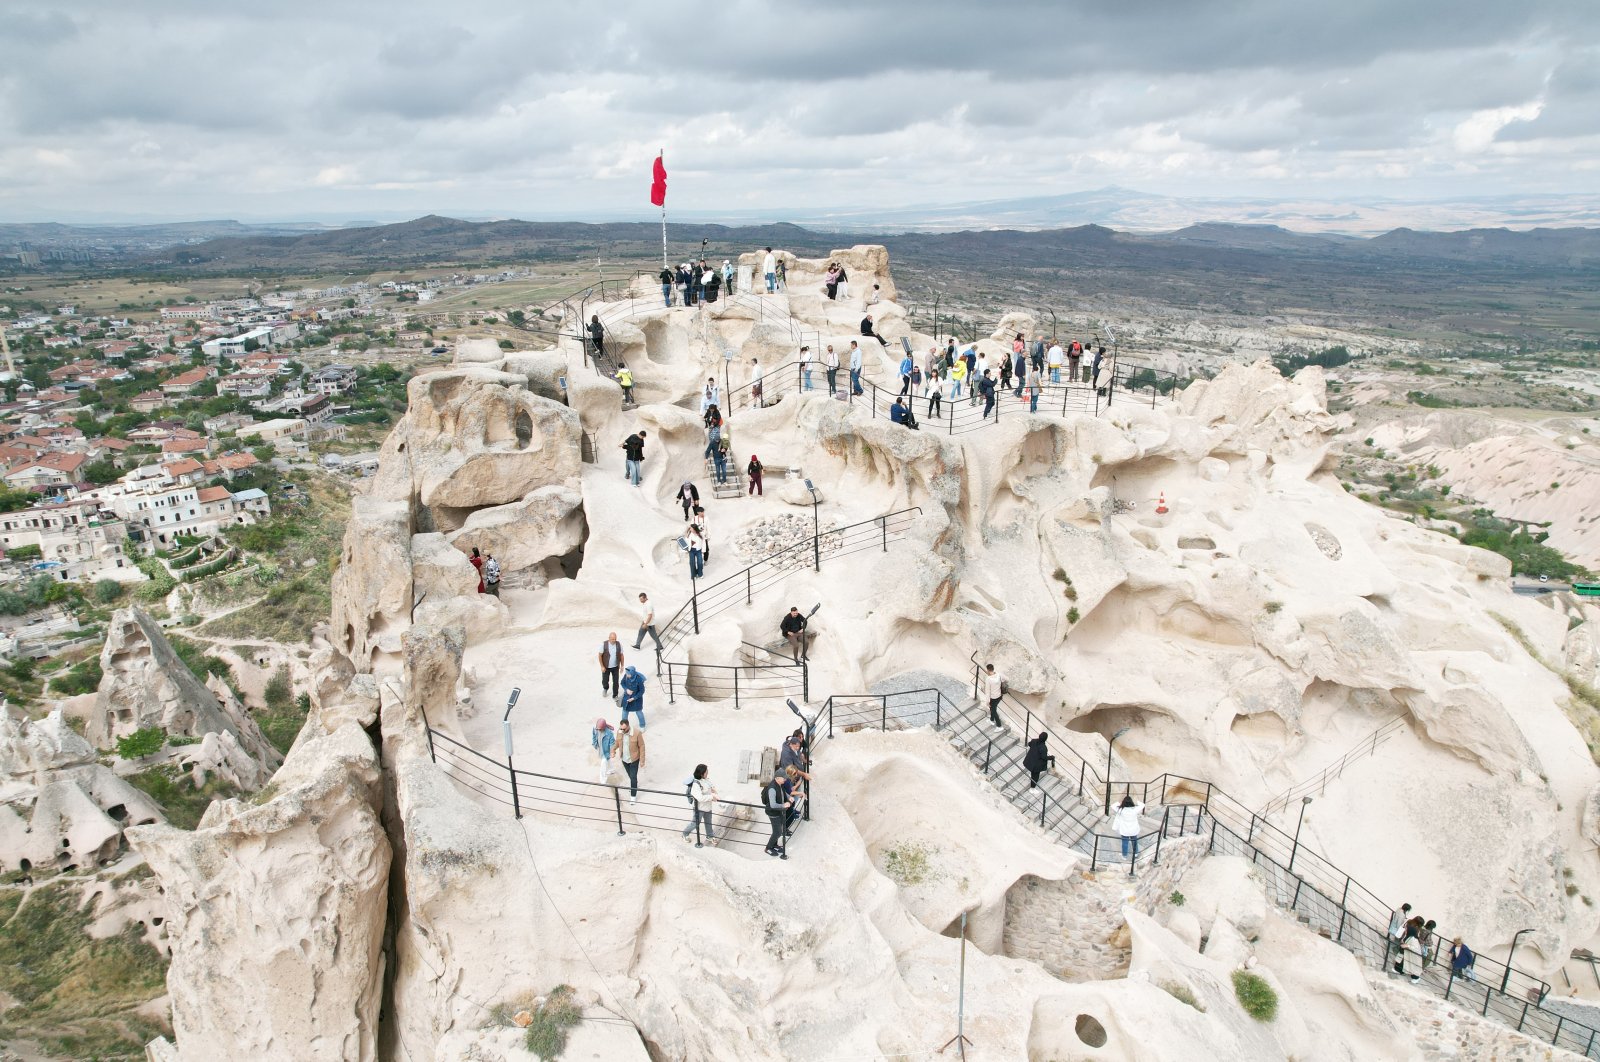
x=616 y=796
x=516 y=802
x=1044 y=805
x=883 y=712
x=747 y=594
x=431 y=755
x=805 y=682
x=1211 y=846
x=1160 y=833
x=1083 y=767
x=988 y=750
x=736 y=687
x=1094 y=851
x=1343 y=910
x=671 y=698
x=1027 y=727
x=883 y=524
x=694 y=604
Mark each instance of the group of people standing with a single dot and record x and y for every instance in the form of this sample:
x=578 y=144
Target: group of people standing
x=1414 y=945
x=696 y=282
x=488 y=572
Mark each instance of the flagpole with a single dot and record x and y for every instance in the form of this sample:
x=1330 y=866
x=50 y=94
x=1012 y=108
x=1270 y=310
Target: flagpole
x=663 y=156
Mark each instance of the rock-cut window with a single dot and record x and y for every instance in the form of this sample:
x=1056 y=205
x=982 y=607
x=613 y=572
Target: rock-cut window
x=524 y=427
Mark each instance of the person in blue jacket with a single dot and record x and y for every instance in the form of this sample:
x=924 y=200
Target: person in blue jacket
x=633 y=694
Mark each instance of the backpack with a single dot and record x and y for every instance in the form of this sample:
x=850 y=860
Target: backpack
x=491 y=571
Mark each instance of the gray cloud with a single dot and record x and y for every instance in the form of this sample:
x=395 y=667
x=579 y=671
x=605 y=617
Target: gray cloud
x=295 y=108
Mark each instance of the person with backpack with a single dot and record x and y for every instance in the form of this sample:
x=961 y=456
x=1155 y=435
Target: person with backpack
x=630 y=750
x=688 y=496
x=625 y=379
x=702 y=796
x=633 y=454
x=753 y=470
x=776 y=803
x=1074 y=359
x=1126 y=823
x=994 y=688
x=603 y=740
x=491 y=575
x=632 y=694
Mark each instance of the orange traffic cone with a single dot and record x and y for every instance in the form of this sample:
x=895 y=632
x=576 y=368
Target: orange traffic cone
x=1161 y=504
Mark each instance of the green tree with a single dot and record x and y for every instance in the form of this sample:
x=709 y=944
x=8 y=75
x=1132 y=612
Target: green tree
x=107 y=591
x=25 y=553
x=279 y=693
x=101 y=472
x=146 y=741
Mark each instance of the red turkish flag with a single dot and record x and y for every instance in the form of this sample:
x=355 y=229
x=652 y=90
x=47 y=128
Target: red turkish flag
x=658 y=183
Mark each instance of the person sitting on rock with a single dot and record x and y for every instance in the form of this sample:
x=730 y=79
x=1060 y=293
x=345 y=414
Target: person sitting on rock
x=868 y=330
x=793 y=627
x=897 y=412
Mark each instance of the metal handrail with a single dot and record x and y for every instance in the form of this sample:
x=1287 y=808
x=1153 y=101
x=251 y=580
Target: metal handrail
x=1318 y=783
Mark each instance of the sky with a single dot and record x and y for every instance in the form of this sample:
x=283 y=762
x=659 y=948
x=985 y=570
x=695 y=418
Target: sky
x=111 y=110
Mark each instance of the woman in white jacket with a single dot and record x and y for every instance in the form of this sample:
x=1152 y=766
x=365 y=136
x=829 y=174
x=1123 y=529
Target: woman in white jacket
x=703 y=796
x=1126 y=823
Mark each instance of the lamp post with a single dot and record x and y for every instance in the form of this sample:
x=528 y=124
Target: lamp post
x=1305 y=802
x=1505 y=978
x=816 y=529
x=505 y=737
x=1109 y=746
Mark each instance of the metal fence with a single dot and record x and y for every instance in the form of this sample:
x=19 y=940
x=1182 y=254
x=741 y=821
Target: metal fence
x=604 y=804
x=1318 y=783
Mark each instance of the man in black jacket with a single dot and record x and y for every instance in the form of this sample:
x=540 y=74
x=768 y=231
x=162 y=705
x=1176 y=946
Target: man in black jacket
x=633 y=454
x=668 y=277
x=868 y=330
x=775 y=802
x=597 y=335
x=794 y=631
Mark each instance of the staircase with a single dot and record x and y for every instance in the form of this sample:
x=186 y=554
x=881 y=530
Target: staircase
x=732 y=488
x=1070 y=817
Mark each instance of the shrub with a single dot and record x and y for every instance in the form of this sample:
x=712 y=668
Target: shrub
x=107 y=591
x=21 y=668
x=278 y=693
x=1072 y=614
x=82 y=677
x=146 y=741
x=1182 y=994
x=1176 y=899
x=1255 y=995
x=552 y=1021
x=25 y=553
x=907 y=864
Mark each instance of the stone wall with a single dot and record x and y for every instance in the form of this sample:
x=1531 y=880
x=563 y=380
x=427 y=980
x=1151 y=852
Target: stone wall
x=1446 y=1031
x=1074 y=927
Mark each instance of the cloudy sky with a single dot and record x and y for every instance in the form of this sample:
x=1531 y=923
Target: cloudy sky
x=290 y=109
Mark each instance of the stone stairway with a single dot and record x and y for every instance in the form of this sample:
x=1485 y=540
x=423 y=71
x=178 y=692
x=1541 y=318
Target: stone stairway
x=1055 y=806
x=733 y=487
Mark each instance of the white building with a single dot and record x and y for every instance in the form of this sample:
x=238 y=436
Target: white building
x=76 y=540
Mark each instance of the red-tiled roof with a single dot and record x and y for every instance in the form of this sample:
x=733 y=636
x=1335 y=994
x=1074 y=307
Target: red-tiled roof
x=214 y=494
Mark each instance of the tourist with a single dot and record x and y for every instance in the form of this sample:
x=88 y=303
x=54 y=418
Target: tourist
x=805 y=368
x=1074 y=358
x=1038 y=759
x=1035 y=382
x=1054 y=356
x=876 y=296
x=647 y=623
x=1019 y=370
x=703 y=796
x=917 y=384
x=1005 y=374
x=688 y=496
x=1429 y=940
x=1412 y=959
x=775 y=802
x=794 y=754
x=794 y=787
x=727 y=276
x=630 y=750
x=855 y=369
x=935 y=393
x=667 y=279
x=712 y=280
x=697 y=282
x=1094 y=367
x=994 y=688
x=753 y=470
x=868 y=331
x=633 y=452
x=1397 y=924
x=783 y=276
x=709 y=395
x=935 y=364
x=698 y=519
x=970 y=360
x=950 y=354
x=844 y=283
x=897 y=412
x=713 y=451
x=978 y=368
x=625 y=379
x=603 y=740
x=986 y=389
x=611 y=661
x=685 y=284
x=1038 y=353
x=632 y=694
x=906 y=365
x=1462 y=961
x=958 y=373
x=793 y=626
x=477 y=562
x=769 y=270
x=1126 y=823
x=755 y=384
x=719 y=456
x=830 y=283
x=491 y=575
x=830 y=363
x=697 y=552
x=597 y=335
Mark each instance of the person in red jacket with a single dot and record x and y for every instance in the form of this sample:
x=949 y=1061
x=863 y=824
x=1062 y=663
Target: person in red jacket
x=477 y=562
x=753 y=469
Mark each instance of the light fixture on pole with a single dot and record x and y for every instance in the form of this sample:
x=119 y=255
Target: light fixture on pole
x=1109 y=746
x=816 y=529
x=1505 y=978
x=1305 y=802
x=505 y=737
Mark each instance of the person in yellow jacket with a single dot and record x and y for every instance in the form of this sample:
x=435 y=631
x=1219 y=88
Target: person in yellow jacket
x=958 y=373
x=625 y=378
